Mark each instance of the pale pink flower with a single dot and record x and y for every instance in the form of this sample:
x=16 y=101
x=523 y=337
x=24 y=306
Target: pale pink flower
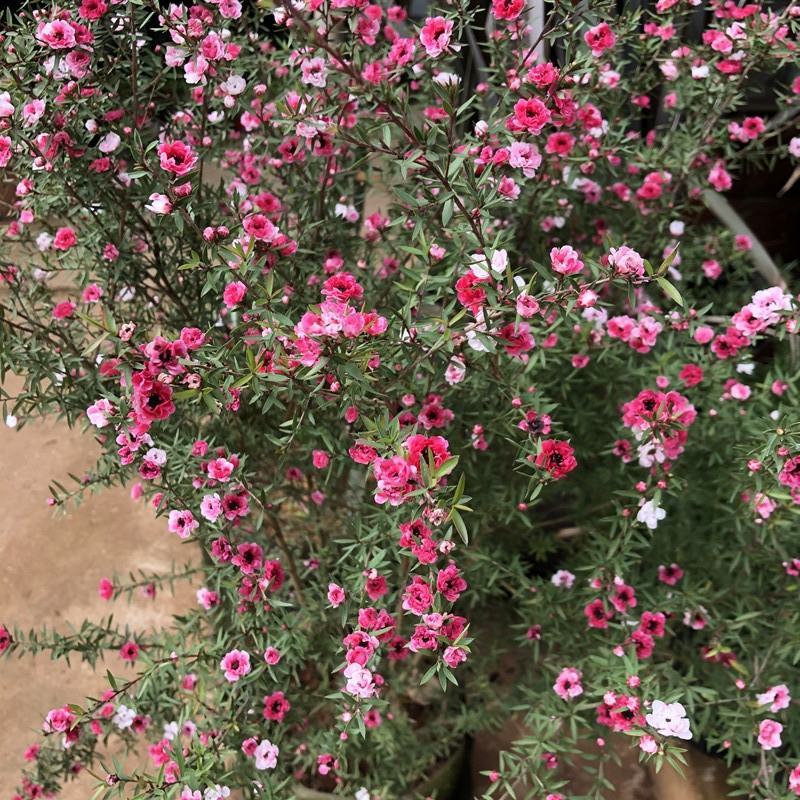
x=769 y=734
x=235 y=665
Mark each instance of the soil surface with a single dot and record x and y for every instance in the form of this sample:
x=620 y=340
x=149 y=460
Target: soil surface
x=50 y=567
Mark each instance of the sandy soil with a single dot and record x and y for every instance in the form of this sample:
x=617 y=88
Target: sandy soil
x=50 y=566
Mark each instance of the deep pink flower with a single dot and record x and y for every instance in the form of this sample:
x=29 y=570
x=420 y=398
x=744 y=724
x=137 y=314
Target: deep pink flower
x=435 y=35
x=176 y=157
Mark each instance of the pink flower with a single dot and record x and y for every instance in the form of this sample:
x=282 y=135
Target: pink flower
x=182 y=523
x=64 y=310
x=206 y=598
x=527 y=306
x=176 y=157
x=211 y=507
x=105 y=589
x=393 y=476
x=159 y=204
x=235 y=665
x=507 y=9
x=129 y=652
x=6 y=150
x=435 y=35
x=220 y=469
x=64 y=239
x=719 y=177
x=92 y=293
x=647 y=744
x=769 y=734
x=276 y=707
x=417 y=597
x=99 y=412
x=360 y=682
x=450 y=583
x=566 y=260
x=57 y=35
x=453 y=656
x=336 y=595
x=557 y=457
x=626 y=262
x=597 y=615
x=525 y=156
x=794 y=780
x=234 y=293
x=59 y=720
x=266 y=755
x=568 y=684
x=320 y=459
x=600 y=38
x=530 y=115
x=563 y=579
x=776 y=697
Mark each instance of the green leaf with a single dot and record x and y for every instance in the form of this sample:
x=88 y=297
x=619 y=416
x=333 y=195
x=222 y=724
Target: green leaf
x=447 y=211
x=670 y=290
x=665 y=264
x=458 y=523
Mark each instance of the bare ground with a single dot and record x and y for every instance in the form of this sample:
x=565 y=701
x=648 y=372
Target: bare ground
x=50 y=566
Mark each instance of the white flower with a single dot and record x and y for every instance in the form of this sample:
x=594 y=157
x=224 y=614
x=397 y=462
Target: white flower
x=651 y=452
x=159 y=204
x=564 y=579
x=123 y=717
x=745 y=369
x=216 y=792
x=170 y=730
x=447 y=79
x=499 y=261
x=43 y=241
x=346 y=212
x=234 y=85
x=362 y=794
x=669 y=719
x=478 y=265
x=650 y=514
x=11 y=421
x=475 y=343
x=157 y=456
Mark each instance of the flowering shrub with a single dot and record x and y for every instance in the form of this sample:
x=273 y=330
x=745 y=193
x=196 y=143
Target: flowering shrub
x=426 y=374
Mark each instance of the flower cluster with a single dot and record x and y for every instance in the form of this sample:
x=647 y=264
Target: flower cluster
x=356 y=303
